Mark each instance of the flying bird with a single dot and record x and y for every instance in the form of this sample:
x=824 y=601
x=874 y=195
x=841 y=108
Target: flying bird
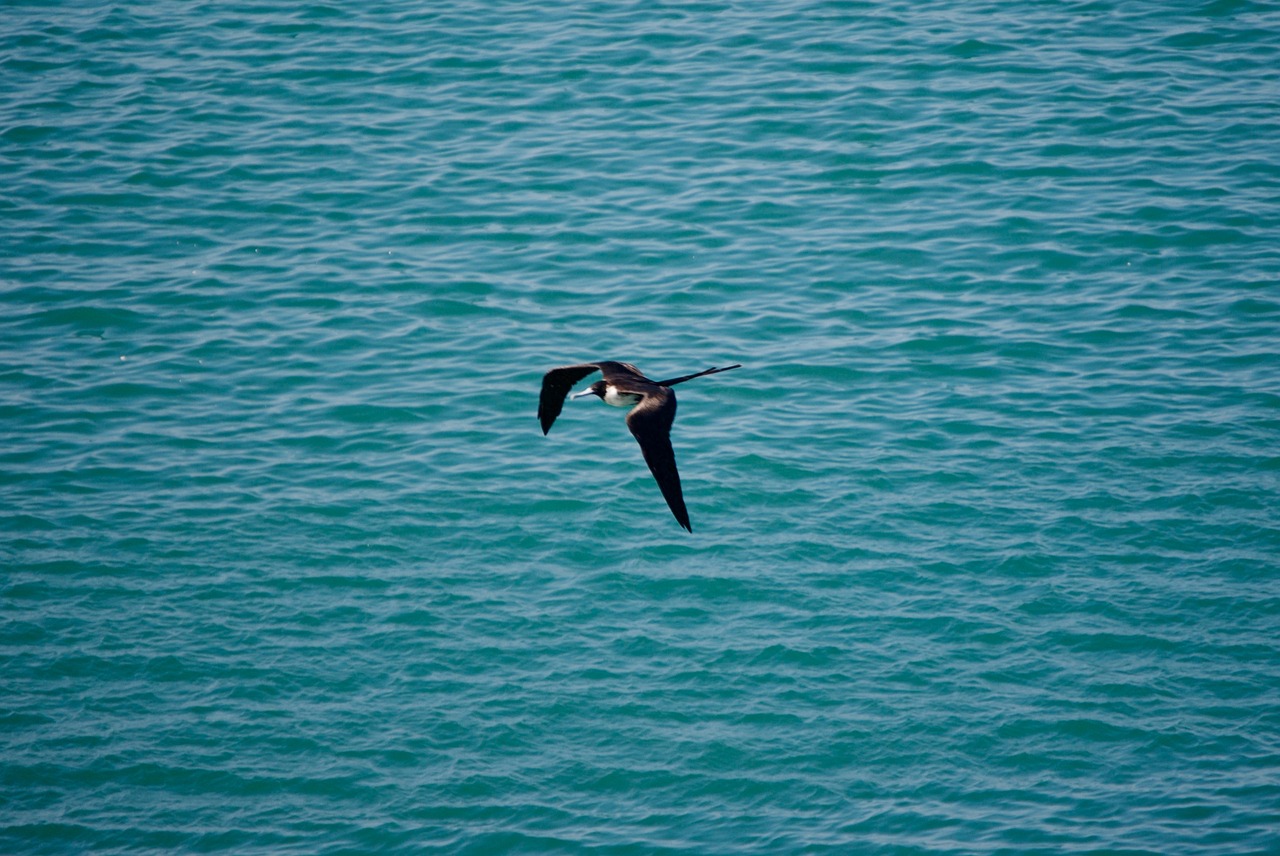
x=653 y=409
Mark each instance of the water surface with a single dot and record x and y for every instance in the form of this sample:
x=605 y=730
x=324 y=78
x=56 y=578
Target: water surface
x=984 y=548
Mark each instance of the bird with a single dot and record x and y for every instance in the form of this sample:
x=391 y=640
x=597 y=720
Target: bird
x=653 y=409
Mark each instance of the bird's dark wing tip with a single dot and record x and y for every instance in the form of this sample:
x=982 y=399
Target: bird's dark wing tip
x=555 y=386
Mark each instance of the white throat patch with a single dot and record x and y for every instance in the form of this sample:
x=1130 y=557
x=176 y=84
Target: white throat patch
x=620 y=399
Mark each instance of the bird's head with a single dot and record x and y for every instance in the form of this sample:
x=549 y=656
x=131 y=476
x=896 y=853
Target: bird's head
x=596 y=389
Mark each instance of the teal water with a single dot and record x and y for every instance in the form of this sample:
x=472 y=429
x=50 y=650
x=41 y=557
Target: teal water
x=986 y=555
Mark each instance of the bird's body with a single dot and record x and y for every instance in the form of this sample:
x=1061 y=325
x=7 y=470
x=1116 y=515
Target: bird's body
x=618 y=398
x=653 y=410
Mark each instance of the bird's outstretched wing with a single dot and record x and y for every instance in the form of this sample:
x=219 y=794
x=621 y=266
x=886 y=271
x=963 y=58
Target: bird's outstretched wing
x=555 y=386
x=650 y=422
x=675 y=380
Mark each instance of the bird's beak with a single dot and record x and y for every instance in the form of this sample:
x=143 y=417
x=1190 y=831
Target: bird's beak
x=582 y=394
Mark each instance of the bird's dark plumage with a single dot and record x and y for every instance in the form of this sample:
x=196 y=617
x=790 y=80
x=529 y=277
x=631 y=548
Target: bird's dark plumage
x=555 y=386
x=653 y=410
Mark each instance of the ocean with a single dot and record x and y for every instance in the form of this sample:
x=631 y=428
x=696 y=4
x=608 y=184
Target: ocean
x=985 y=553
